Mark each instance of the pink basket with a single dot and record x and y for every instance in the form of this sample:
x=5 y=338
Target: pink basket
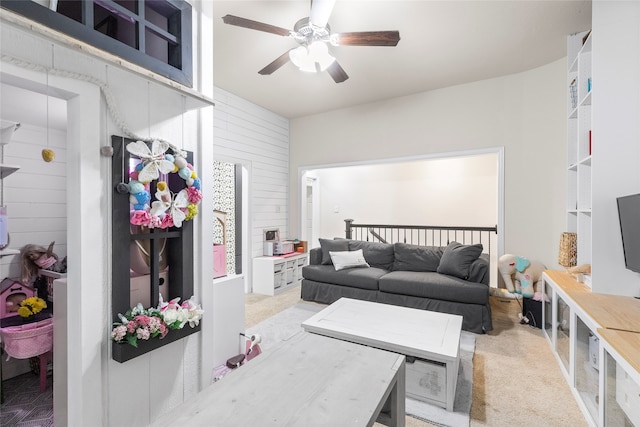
x=29 y=340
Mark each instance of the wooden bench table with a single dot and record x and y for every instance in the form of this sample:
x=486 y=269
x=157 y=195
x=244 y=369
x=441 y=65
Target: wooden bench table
x=309 y=380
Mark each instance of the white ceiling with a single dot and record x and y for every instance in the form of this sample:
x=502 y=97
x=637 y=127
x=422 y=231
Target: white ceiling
x=443 y=43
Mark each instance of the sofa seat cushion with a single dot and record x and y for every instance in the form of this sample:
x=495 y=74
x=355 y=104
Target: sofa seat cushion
x=363 y=278
x=434 y=286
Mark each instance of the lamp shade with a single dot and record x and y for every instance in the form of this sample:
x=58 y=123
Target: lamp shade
x=313 y=58
x=568 y=253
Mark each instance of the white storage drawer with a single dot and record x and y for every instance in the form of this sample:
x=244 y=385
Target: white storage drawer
x=277 y=280
x=426 y=381
x=272 y=275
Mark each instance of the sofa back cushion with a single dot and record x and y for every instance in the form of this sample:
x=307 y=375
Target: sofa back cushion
x=457 y=259
x=416 y=258
x=479 y=270
x=328 y=245
x=379 y=255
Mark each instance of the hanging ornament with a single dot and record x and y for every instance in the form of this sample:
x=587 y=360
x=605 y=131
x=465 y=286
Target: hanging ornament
x=48 y=155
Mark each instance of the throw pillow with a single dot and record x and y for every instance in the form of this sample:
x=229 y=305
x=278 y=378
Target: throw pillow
x=416 y=258
x=457 y=259
x=328 y=245
x=348 y=259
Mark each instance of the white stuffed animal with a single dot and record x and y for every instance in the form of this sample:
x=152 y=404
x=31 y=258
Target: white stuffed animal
x=520 y=275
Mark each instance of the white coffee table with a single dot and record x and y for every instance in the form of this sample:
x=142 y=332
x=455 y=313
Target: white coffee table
x=432 y=338
x=306 y=381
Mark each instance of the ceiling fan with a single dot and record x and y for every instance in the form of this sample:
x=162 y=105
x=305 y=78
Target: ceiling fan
x=313 y=34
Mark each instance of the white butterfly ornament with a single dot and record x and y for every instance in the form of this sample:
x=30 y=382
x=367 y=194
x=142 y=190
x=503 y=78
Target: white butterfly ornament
x=172 y=204
x=153 y=160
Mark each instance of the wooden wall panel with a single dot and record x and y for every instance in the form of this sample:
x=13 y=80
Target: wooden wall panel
x=259 y=139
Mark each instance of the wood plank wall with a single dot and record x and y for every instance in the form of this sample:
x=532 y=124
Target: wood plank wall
x=35 y=195
x=259 y=139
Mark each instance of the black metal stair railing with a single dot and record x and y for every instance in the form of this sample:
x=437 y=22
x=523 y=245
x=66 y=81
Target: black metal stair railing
x=422 y=235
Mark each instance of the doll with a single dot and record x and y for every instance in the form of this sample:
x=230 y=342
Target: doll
x=35 y=257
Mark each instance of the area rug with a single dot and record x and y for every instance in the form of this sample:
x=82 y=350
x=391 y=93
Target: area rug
x=286 y=324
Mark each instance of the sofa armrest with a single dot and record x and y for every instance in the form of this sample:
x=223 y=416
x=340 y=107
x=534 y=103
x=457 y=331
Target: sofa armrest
x=315 y=256
x=479 y=270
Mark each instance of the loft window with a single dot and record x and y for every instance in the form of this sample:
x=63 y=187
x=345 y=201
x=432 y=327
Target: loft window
x=155 y=34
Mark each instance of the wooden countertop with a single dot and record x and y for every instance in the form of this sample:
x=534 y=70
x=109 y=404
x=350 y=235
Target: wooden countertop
x=609 y=311
x=567 y=283
x=626 y=343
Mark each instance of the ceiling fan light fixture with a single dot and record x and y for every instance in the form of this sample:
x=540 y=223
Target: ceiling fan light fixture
x=306 y=58
x=301 y=59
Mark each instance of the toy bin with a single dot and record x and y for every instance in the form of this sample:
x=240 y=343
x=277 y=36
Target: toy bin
x=28 y=340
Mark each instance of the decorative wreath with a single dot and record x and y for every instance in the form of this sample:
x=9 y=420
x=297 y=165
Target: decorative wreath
x=169 y=209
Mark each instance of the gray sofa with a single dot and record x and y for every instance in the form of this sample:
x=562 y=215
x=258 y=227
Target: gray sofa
x=452 y=279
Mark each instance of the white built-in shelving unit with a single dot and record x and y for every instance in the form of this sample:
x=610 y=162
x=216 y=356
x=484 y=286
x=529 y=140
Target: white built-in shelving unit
x=5 y=171
x=272 y=275
x=579 y=142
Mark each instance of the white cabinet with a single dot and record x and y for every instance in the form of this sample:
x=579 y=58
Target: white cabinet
x=5 y=170
x=571 y=332
x=621 y=377
x=596 y=340
x=272 y=275
x=579 y=142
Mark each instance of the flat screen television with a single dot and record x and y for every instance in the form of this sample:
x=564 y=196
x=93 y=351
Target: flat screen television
x=629 y=213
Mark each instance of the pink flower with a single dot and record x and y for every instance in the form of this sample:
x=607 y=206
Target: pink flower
x=143 y=333
x=167 y=221
x=131 y=326
x=163 y=330
x=142 y=320
x=154 y=222
x=119 y=333
x=140 y=217
x=194 y=195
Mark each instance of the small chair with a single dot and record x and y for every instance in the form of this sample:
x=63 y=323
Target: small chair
x=30 y=340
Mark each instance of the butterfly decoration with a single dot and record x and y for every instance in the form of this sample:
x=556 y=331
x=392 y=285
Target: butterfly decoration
x=173 y=205
x=153 y=159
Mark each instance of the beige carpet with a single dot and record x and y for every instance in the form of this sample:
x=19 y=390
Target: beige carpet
x=516 y=378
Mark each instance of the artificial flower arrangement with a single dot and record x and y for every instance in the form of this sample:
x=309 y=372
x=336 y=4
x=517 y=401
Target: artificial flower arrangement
x=31 y=306
x=169 y=209
x=139 y=323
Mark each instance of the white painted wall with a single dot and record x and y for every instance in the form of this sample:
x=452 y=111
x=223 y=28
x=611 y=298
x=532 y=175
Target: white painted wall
x=99 y=389
x=259 y=140
x=447 y=191
x=525 y=113
x=35 y=195
x=616 y=145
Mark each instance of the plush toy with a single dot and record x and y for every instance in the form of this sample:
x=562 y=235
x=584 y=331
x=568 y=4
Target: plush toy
x=520 y=275
x=35 y=257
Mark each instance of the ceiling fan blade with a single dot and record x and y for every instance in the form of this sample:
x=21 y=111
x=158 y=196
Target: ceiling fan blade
x=368 y=38
x=320 y=12
x=254 y=25
x=337 y=73
x=277 y=63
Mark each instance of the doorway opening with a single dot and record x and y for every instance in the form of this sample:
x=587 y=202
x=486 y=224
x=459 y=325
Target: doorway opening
x=447 y=189
x=33 y=192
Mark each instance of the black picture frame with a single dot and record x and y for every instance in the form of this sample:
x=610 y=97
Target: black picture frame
x=179 y=251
